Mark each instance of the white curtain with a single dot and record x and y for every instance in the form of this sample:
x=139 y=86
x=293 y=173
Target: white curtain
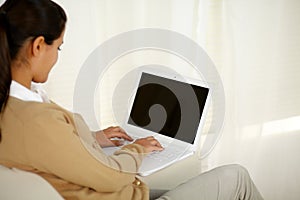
x=256 y=48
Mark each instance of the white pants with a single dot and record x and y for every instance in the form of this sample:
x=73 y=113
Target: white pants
x=230 y=182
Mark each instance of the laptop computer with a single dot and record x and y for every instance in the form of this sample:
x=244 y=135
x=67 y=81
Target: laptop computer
x=171 y=108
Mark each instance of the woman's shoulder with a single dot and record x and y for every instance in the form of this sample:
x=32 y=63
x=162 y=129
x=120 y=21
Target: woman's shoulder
x=31 y=109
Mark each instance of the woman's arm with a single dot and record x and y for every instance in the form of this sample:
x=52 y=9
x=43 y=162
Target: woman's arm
x=53 y=146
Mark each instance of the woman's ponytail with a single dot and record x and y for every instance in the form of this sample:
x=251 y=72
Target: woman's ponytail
x=5 y=60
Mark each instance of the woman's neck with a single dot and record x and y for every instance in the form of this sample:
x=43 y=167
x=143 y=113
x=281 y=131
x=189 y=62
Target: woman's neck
x=21 y=74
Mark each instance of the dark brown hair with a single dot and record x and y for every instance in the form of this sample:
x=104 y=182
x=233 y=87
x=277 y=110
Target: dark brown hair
x=19 y=21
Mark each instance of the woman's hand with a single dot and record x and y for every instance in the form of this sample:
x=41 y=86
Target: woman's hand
x=115 y=136
x=112 y=136
x=150 y=144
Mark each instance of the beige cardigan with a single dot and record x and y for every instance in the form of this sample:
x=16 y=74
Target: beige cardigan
x=42 y=138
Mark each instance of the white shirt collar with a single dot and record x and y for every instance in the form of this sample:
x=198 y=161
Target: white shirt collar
x=19 y=91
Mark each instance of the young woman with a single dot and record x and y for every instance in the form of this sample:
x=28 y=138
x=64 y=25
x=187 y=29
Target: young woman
x=40 y=137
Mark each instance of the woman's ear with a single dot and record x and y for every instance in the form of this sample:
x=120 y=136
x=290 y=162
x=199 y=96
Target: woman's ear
x=38 y=45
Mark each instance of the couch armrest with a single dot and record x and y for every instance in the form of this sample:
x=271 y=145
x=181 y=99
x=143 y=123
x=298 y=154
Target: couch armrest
x=18 y=184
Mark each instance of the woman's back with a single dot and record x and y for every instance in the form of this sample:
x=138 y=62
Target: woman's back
x=42 y=138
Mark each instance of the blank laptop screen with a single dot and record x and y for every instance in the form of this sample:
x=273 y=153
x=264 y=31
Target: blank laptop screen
x=169 y=107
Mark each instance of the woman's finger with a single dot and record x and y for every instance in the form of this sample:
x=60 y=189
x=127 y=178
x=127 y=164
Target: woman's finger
x=117 y=142
x=116 y=131
x=155 y=142
x=117 y=134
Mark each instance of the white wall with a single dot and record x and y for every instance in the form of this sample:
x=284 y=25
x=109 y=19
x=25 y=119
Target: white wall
x=92 y=22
